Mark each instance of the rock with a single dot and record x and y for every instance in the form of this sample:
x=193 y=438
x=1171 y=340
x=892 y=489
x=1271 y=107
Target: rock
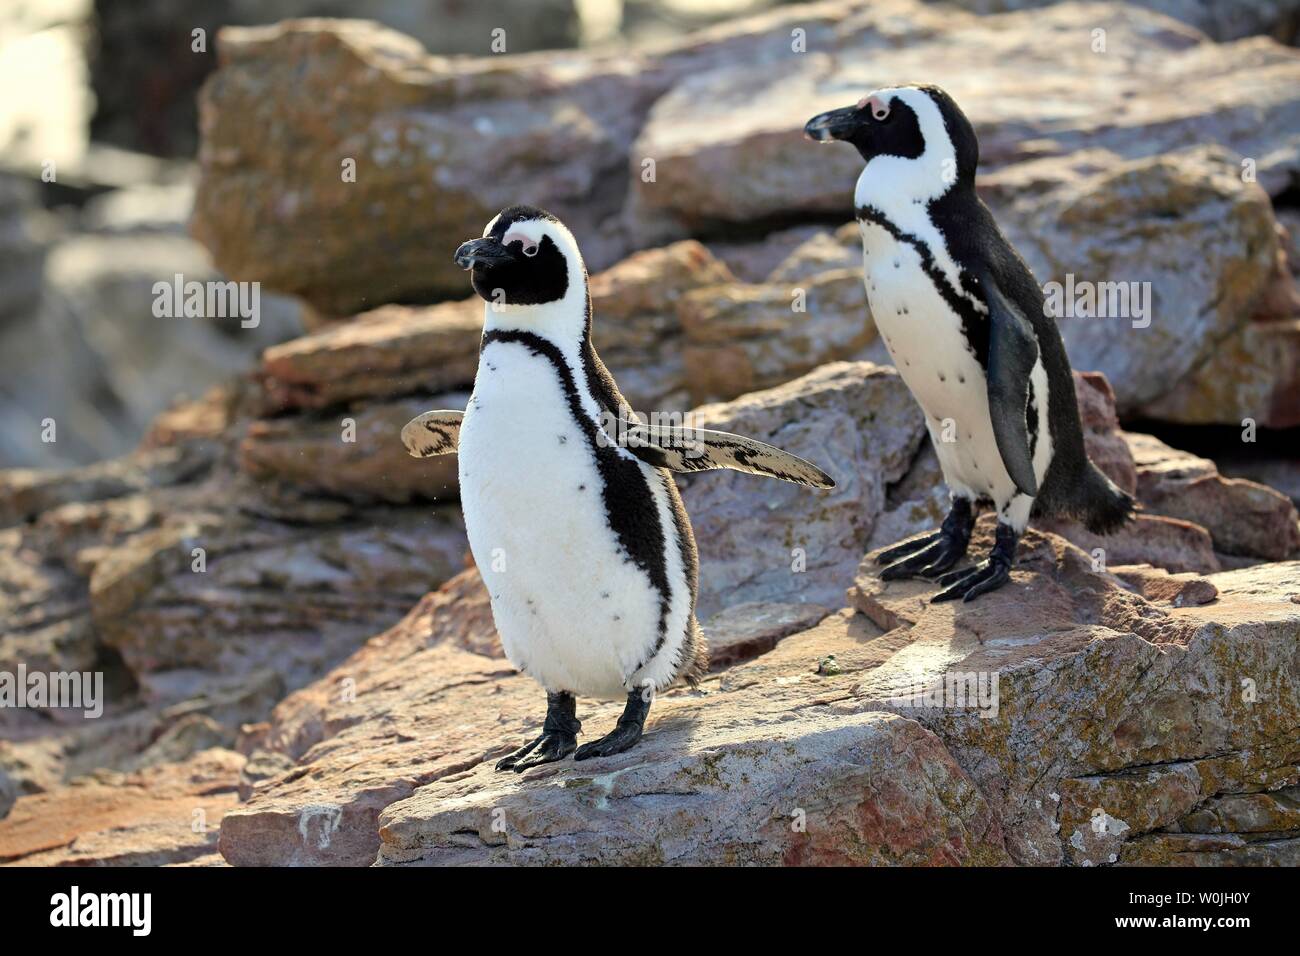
x=719 y=114
x=1156 y=584
x=165 y=814
x=439 y=147
x=427 y=676
x=1131 y=680
x=1230 y=20
x=1243 y=518
x=146 y=74
x=392 y=351
x=755 y=261
x=318 y=587
x=26 y=493
x=1105 y=703
x=755 y=627
x=1252 y=376
x=810 y=790
x=398 y=350
x=764 y=540
x=1280 y=473
x=355 y=455
x=744 y=337
x=728 y=142
x=1097 y=228
x=1169 y=543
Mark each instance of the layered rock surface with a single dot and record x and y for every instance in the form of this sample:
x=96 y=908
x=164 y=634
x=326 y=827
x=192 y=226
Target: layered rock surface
x=226 y=576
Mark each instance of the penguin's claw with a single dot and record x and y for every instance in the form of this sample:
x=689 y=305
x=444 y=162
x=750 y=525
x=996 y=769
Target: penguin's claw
x=509 y=760
x=972 y=582
x=625 y=734
x=930 y=561
x=989 y=575
x=547 y=748
x=621 y=738
x=911 y=546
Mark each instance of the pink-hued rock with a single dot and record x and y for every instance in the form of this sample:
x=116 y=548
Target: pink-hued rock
x=165 y=814
x=1243 y=517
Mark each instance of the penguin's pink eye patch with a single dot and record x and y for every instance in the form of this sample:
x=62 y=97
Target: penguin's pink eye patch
x=518 y=235
x=879 y=108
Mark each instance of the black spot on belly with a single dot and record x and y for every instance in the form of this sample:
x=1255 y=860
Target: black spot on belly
x=942 y=377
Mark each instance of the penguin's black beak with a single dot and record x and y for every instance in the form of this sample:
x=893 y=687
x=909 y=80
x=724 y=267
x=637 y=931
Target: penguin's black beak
x=837 y=124
x=482 y=252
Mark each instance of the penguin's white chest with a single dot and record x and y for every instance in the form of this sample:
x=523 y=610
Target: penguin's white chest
x=925 y=338
x=573 y=610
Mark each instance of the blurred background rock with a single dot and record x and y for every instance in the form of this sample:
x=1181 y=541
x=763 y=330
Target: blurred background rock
x=98 y=130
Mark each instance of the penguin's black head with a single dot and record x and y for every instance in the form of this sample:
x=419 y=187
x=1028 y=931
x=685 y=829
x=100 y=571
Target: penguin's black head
x=919 y=129
x=526 y=257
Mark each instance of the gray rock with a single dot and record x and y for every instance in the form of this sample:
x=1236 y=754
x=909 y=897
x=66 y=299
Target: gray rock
x=766 y=540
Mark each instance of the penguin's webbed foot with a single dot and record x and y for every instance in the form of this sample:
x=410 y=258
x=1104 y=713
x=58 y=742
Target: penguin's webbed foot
x=558 y=739
x=931 y=554
x=988 y=575
x=624 y=735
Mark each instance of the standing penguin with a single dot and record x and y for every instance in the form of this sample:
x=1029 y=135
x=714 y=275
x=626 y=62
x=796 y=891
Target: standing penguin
x=573 y=518
x=963 y=318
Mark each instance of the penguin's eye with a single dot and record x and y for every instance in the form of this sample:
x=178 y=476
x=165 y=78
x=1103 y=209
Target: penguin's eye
x=879 y=108
x=527 y=242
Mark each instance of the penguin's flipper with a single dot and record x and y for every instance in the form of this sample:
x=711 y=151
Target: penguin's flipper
x=702 y=449
x=433 y=433
x=1013 y=350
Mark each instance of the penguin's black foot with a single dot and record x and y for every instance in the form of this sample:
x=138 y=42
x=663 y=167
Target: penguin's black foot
x=970 y=583
x=624 y=735
x=559 y=736
x=931 y=554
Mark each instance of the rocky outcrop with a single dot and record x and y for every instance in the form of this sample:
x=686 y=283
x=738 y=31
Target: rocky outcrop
x=722 y=139
x=1124 y=700
x=164 y=815
x=1243 y=517
x=892 y=732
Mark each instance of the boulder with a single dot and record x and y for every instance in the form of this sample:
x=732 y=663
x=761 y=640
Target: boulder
x=1243 y=517
x=147 y=72
x=1107 y=716
x=692 y=138
x=1253 y=376
x=1094 y=717
x=415 y=153
x=728 y=141
x=1174 y=252
x=1220 y=19
x=744 y=337
x=165 y=814
x=765 y=540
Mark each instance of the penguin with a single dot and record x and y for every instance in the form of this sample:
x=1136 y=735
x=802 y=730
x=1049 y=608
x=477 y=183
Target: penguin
x=573 y=517
x=963 y=318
